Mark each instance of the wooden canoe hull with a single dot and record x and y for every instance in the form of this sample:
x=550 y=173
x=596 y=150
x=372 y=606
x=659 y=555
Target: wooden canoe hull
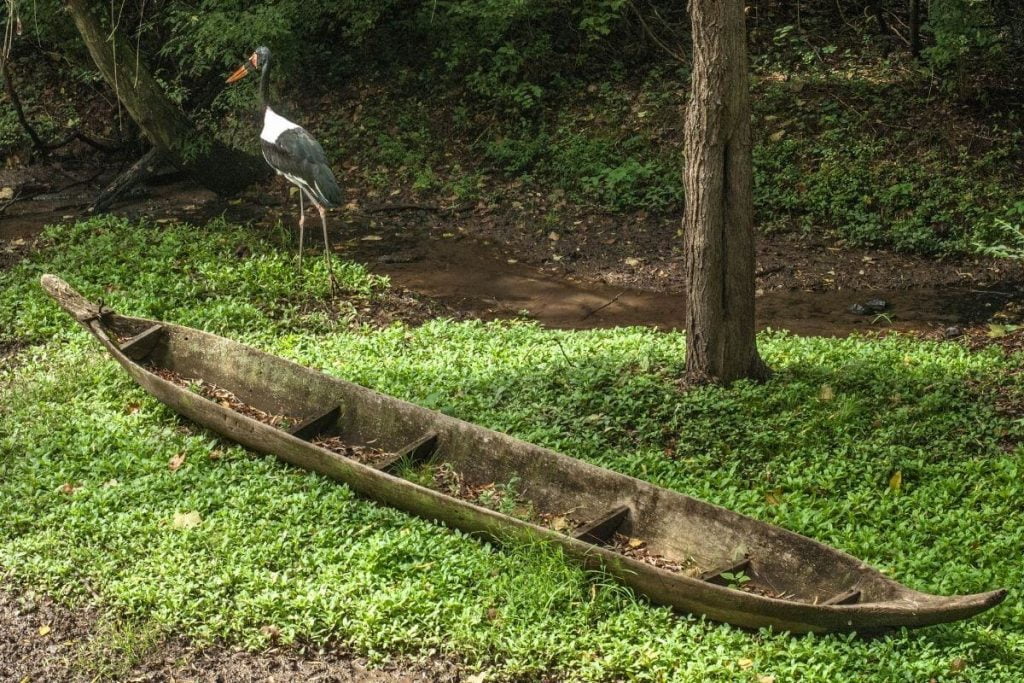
x=711 y=534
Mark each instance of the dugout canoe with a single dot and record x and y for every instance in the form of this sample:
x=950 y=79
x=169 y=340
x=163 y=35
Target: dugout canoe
x=713 y=561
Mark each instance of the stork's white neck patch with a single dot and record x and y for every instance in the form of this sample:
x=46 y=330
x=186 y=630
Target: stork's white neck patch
x=274 y=124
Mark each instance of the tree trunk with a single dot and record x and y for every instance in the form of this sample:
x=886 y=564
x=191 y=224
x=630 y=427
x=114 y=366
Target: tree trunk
x=210 y=163
x=12 y=95
x=718 y=223
x=915 y=28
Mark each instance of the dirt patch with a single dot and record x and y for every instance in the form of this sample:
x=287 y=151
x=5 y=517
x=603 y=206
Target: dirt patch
x=41 y=640
x=9 y=349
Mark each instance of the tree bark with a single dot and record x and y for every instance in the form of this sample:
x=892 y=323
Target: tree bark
x=207 y=161
x=915 y=28
x=718 y=225
x=12 y=95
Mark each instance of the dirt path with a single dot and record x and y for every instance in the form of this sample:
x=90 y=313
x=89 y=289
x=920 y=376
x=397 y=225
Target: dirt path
x=43 y=641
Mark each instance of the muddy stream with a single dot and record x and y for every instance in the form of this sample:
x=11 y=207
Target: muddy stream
x=475 y=278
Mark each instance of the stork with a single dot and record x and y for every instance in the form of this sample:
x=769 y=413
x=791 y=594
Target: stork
x=294 y=153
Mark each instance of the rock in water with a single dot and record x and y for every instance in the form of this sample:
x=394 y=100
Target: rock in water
x=858 y=309
x=877 y=305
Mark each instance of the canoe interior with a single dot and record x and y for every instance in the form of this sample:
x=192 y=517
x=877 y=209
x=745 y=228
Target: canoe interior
x=690 y=536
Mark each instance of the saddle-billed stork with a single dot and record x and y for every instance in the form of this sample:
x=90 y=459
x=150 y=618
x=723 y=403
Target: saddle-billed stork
x=293 y=153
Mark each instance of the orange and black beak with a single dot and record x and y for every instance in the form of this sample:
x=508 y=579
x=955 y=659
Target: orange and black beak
x=240 y=72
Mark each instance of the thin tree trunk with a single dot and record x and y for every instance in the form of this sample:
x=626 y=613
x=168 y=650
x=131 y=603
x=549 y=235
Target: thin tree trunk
x=12 y=95
x=876 y=9
x=207 y=161
x=718 y=222
x=915 y=28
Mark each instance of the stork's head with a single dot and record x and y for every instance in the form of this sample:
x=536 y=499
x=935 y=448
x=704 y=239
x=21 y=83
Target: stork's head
x=257 y=60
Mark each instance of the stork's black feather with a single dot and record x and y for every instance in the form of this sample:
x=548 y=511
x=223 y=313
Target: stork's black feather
x=300 y=158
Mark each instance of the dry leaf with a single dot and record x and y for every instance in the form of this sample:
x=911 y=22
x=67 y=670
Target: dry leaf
x=777 y=135
x=216 y=454
x=553 y=236
x=773 y=497
x=635 y=542
x=175 y=463
x=826 y=393
x=187 y=520
x=632 y=262
x=6 y=193
x=746 y=663
x=896 y=480
x=68 y=488
x=476 y=678
x=766 y=679
x=371 y=238
x=270 y=631
x=559 y=523
x=43 y=630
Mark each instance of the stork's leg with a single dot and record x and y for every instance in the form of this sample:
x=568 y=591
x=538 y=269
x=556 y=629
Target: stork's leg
x=327 y=246
x=302 y=225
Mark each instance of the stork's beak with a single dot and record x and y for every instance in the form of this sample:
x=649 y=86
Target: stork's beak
x=240 y=72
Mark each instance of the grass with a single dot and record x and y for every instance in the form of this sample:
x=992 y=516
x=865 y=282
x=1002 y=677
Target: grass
x=275 y=546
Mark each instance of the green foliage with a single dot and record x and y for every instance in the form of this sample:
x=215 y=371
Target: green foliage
x=278 y=546
x=821 y=164
x=200 y=281
x=965 y=34
x=1003 y=237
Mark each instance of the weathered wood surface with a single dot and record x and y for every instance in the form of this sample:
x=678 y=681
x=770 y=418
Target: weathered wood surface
x=669 y=523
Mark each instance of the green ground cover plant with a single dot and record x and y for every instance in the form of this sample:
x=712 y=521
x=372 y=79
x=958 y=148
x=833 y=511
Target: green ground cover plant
x=230 y=543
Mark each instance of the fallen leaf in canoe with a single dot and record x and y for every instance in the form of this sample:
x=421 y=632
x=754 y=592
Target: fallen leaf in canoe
x=896 y=480
x=187 y=520
x=43 y=630
x=175 y=463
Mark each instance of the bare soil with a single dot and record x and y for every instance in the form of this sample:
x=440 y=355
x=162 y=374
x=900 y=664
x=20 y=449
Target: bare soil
x=41 y=640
